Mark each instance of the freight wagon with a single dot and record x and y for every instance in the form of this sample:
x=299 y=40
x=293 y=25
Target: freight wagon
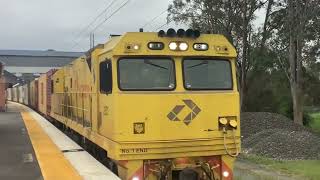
x=3 y=93
x=15 y=94
x=45 y=90
x=9 y=94
x=33 y=94
x=20 y=94
x=25 y=89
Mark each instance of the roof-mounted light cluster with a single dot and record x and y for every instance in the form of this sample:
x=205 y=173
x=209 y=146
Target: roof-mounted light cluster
x=155 y=45
x=200 y=46
x=180 y=33
x=132 y=47
x=178 y=46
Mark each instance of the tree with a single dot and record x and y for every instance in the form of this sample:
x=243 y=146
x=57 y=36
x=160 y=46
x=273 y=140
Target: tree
x=266 y=30
x=277 y=64
x=300 y=16
x=233 y=18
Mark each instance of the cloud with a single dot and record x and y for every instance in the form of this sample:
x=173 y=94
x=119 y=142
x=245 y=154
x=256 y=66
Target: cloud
x=46 y=24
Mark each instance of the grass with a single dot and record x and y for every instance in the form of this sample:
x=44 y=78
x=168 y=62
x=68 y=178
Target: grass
x=305 y=168
x=315 y=122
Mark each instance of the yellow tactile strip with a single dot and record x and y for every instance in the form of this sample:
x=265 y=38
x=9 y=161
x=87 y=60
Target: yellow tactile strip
x=52 y=162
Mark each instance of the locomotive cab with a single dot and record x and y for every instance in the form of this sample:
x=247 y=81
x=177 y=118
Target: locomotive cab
x=168 y=97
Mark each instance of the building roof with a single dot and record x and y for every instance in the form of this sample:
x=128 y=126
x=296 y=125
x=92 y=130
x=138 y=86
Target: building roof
x=35 y=61
x=32 y=58
x=37 y=53
x=28 y=64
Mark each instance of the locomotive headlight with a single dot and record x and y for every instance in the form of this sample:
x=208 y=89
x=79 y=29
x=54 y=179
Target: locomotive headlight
x=225 y=174
x=135 y=178
x=233 y=123
x=136 y=47
x=183 y=46
x=178 y=46
x=228 y=123
x=156 y=45
x=200 y=46
x=222 y=49
x=223 y=121
x=131 y=47
x=173 y=46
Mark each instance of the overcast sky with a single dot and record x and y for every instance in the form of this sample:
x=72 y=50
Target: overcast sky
x=47 y=24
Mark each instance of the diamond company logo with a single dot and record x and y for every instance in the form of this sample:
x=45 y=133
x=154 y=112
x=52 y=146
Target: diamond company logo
x=194 y=111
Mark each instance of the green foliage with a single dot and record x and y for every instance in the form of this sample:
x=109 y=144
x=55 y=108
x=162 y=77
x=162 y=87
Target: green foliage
x=312 y=84
x=305 y=168
x=268 y=87
x=306 y=119
x=264 y=54
x=315 y=121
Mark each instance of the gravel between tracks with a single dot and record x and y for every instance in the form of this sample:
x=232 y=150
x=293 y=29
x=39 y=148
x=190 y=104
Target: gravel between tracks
x=275 y=136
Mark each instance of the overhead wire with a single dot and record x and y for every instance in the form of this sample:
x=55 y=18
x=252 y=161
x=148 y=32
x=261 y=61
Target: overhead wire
x=159 y=27
x=105 y=20
x=163 y=25
x=153 y=19
x=118 y=9
x=112 y=14
x=95 y=19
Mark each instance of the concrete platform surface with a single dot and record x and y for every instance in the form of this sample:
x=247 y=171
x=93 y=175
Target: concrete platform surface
x=17 y=157
x=32 y=148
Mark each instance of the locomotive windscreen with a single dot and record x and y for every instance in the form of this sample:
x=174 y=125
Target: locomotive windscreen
x=146 y=74
x=207 y=74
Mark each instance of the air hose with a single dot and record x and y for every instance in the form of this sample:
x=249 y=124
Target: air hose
x=209 y=174
x=234 y=140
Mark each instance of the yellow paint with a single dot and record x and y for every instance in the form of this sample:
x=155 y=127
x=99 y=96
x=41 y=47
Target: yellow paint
x=52 y=163
x=108 y=119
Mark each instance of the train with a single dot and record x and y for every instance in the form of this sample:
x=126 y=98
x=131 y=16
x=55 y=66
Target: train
x=3 y=86
x=149 y=105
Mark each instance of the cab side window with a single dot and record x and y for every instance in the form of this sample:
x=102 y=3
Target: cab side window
x=106 y=77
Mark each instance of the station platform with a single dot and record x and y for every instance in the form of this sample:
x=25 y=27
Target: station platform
x=32 y=148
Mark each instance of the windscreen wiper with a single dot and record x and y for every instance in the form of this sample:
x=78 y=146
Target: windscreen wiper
x=202 y=63
x=155 y=65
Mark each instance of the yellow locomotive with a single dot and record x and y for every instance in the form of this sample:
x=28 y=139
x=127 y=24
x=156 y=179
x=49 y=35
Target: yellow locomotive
x=160 y=105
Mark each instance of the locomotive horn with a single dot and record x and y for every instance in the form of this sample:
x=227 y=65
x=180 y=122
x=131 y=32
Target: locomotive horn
x=196 y=33
x=171 y=32
x=189 y=33
x=161 y=33
x=181 y=32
